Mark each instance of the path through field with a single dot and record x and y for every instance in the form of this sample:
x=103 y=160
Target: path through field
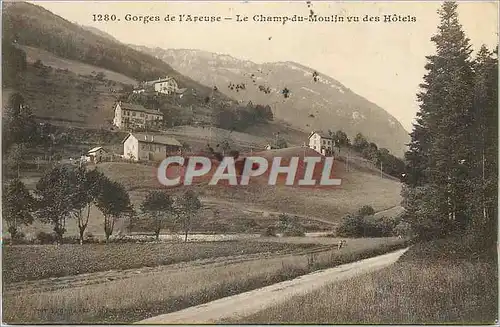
x=57 y=283
x=248 y=303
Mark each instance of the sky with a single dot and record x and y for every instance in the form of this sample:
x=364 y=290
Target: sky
x=381 y=61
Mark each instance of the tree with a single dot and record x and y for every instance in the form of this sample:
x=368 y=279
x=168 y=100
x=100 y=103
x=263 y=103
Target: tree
x=18 y=205
x=371 y=153
x=86 y=186
x=281 y=143
x=14 y=159
x=485 y=104
x=158 y=206
x=360 y=142
x=54 y=192
x=366 y=211
x=113 y=202
x=13 y=61
x=187 y=206
x=441 y=151
x=284 y=221
x=342 y=139
x=19 y=126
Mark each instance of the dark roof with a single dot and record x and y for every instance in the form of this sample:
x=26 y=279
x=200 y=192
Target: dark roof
x=320 y=133
x=138 y=107
x=154 y=138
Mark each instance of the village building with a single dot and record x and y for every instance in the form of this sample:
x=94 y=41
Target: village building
x=269 y=146
x=138 y=90
x=128 y=116
x=321 y=142
x=97 y=154
x=143 y=146
x=166 y=85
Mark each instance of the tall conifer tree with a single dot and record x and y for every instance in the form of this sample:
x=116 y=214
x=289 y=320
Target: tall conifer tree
x=440 y=157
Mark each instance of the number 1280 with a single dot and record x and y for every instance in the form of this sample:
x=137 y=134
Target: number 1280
x=106 y=17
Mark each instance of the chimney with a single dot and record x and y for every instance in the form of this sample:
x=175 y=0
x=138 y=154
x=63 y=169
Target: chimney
x=145 y=137
x=152 y=138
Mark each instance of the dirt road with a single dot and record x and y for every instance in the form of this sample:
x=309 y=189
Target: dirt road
x=247 y=303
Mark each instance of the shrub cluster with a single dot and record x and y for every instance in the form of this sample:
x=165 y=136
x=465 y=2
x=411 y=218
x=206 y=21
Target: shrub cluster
x=365 y=224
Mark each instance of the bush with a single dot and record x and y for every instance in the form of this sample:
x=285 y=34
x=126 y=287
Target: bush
x=366 y=211
x=377 y=227
x=351 y=226
x=402 y=229
x=368 y=226
x=269 y=232
x=45 y=238
x=294 y=230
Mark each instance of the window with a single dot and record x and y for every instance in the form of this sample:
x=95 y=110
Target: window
x=133 y=113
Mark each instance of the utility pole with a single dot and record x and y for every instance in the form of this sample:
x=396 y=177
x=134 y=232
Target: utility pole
x=381 y=176
x=347 y=162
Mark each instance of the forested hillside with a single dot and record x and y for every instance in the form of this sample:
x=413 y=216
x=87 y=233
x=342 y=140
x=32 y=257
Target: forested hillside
x=32 y=25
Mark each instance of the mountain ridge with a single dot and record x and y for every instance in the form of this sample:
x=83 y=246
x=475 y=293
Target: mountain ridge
x=322 y=104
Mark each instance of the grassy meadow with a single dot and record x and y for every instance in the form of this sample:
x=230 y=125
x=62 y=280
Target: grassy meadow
x=435 y=283
x=22 y=262
x=161 y=291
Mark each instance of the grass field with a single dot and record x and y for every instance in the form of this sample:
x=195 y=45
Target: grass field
x=358 y=188
x=148 y=294
x=246 y=208
x=434 y=283
x=49 y=59
x=44 y=261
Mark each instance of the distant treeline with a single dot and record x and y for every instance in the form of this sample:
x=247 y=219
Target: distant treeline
x=226 y=116
x=241 y=117
x=391 y=164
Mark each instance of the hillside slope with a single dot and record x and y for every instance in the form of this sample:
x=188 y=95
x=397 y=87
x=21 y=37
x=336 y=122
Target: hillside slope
x=323 y=103
x=359 y=187
x=31 y=25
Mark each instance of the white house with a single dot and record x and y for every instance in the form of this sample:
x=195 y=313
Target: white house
x=139 y=90
x=143 y=146
x=269 y=146
x=321 y=142
x=166 y=85
x=97 y=154
x=128 y=115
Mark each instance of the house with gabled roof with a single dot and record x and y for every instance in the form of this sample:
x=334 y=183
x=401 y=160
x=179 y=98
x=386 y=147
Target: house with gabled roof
x=166 y=85
x=321 y=142
x=144 y=146
x=130 y=115
x=97 y=154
